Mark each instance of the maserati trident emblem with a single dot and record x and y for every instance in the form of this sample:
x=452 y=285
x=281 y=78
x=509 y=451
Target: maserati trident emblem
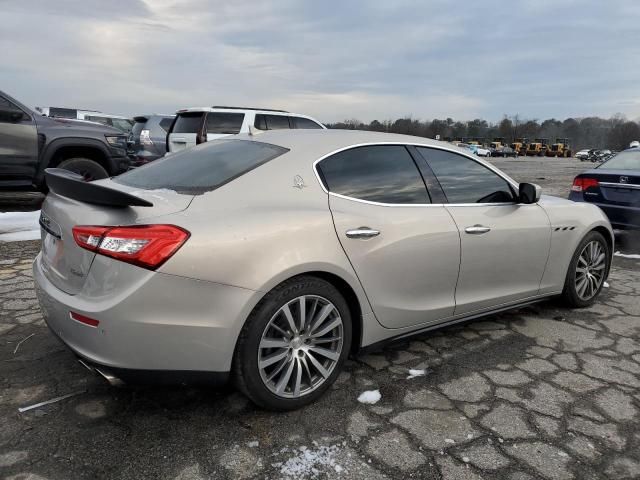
x=624 y=179
x=298 y=182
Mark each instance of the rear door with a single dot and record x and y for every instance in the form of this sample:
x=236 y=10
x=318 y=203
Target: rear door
x=187 y=128
x=404 y=249
x=505 y=245
x=18 y=145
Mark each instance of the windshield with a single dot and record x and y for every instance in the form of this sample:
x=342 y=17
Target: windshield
x=629 y=160
x=202 y=168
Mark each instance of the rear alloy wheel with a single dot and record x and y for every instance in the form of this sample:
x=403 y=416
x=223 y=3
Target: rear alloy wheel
x=587 y=271
x=294 y=344
x=89 y=169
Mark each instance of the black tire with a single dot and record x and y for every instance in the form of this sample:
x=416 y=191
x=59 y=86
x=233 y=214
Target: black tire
x=570 y=295
x=246 y=373
x=89 y=169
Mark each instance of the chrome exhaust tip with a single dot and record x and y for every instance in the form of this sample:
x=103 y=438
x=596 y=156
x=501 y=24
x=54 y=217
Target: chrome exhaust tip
x=112 y=379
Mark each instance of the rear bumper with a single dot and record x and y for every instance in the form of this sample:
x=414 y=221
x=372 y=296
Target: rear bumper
x=162 y=323
x=620 y=217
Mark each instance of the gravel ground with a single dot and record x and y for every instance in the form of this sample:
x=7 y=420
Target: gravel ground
x=540 y=392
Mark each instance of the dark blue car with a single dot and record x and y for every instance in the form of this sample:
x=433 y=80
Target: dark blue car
x=615 y=187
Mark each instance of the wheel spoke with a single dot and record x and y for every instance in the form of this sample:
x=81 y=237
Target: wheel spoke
x=325 y=340
x=318 y=366
x=278 y=369
x=324 y=313
x=287 y=313
x=286 y=376
x=327 y=328
x=325 y=353
x=311 y=314
x=271 y=359
x=274 y=343
x=580 y=287
x=303 y=313
x=296 y=388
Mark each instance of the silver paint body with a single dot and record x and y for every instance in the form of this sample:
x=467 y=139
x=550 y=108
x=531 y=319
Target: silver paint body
x=249 y=235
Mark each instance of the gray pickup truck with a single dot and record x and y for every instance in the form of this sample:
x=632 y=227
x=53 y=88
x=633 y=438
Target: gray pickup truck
x=31 y=142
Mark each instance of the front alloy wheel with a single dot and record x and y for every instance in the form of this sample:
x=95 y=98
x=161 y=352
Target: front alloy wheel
x=590 y=270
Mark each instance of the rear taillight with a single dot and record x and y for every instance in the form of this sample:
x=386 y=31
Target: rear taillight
x=147 y=246
x=145 y=137
x=580 y=184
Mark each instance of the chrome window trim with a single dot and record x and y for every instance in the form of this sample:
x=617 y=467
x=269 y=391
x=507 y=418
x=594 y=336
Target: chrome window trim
x=632 y=186
x=438 y=147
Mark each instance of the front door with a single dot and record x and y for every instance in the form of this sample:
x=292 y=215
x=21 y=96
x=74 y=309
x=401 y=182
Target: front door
x=404 y=249
x=505 y=245
x=18 y=145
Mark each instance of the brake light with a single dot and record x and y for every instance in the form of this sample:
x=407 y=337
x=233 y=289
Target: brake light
x=147 y=246
x=580 y=184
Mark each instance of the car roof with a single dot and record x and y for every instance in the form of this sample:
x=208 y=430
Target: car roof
x=317 y=143
x=266 y=111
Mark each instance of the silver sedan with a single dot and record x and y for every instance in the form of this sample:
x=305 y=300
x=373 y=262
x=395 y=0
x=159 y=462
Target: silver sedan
x=269 y=258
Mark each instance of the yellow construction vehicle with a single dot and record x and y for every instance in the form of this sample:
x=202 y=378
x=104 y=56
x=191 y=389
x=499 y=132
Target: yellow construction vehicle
x=519 y=146
x=497 y=143
x=560 y=148
x=537 y=148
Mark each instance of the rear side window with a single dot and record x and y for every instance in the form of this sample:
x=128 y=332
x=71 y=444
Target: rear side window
x=465 y=180
x=381 y=173
x=137 y=127
x=305 y=123
x=227 y=123
x=165 y=123
x=202 y=168
x=188 y=123
x=271 y=122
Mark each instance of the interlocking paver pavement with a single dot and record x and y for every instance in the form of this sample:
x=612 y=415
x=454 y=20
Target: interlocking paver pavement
x=539 y=392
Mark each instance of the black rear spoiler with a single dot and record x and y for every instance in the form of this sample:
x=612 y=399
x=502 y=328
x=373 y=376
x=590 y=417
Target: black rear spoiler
x=72 y=185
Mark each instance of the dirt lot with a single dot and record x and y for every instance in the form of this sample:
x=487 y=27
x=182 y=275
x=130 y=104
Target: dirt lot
x=540 y=392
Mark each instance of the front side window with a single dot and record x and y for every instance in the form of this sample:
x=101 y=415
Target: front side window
x=379 y=173
x=202 y=168
x=224 y=123
x=465 y=180
x=10 y=113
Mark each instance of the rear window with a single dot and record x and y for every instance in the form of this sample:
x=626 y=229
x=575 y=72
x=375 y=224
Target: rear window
x=165 y=123
x=138 y=126
x=225 y=123
x=202 y=168
x=623 y=161
x=188 y=123
x=305 y=123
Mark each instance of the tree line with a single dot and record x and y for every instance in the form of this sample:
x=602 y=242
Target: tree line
x=614 y=133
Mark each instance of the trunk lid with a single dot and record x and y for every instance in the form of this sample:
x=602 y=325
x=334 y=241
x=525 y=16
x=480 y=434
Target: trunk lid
x=66 y=264
x=616 y=187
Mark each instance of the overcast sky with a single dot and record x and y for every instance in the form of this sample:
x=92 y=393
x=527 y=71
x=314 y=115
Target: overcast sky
x=330 y=59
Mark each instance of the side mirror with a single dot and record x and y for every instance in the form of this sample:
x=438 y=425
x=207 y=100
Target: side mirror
x=529 y=193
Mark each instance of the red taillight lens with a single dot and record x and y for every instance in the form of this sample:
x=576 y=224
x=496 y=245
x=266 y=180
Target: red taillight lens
x=580 y=184
x=147 y=246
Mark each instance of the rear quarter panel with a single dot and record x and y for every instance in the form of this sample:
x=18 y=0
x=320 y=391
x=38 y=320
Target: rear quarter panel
x=261 y=229
x=570 y=222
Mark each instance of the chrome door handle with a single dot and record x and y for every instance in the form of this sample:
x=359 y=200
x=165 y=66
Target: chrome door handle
x=362 y=232
x=477 y=230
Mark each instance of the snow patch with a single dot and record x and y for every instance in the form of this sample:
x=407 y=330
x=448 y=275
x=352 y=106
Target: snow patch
x=606 y=284
x=19 y=226
x=416 y=373
x=309 y=462
x=253 y=444
x=627 y=255
x=370 y=397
